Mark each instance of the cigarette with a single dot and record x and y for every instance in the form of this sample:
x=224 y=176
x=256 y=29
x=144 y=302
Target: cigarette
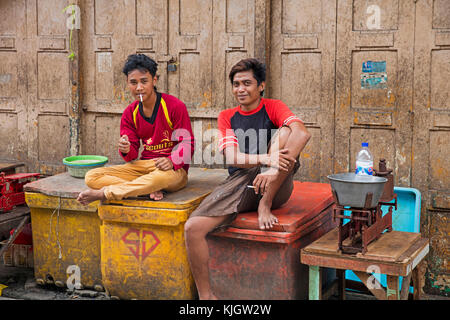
x=140 y=95
x=252 y=187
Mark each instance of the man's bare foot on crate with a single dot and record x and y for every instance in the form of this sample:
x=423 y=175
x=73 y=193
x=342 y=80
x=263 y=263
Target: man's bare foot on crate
x=90 y=195
x=265 y=217
x=157 y=195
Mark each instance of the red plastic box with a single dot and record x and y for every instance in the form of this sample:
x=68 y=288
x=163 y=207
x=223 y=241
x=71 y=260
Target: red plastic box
x=249 y=263
x=25 y=236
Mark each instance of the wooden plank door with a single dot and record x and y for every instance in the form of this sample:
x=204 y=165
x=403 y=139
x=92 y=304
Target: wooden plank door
x=13 y=82
x=431 y=141
x=48 y=71
x=207 y=38
x=374 y=70
x=301 y=73
x=112 y=31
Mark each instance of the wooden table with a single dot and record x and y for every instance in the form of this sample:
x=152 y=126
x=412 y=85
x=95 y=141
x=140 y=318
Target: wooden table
x=10 y=167
x=395 y=254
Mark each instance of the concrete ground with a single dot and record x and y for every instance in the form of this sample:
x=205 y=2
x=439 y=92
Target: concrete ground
x=21 y=285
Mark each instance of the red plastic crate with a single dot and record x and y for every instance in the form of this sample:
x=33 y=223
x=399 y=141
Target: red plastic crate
x=25 y=236
x=11 y=189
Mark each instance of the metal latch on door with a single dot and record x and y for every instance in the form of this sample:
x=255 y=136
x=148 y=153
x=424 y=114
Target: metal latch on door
x=171 y=62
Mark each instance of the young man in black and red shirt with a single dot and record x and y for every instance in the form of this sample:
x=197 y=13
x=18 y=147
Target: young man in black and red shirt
x=261 y=140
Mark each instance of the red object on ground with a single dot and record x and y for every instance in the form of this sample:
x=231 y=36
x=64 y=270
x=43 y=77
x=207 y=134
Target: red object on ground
x=25 y=236
x=249 y=263
x=11 y=189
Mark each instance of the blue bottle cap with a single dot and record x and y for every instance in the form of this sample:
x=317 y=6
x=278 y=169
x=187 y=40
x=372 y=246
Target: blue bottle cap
x=365 y=144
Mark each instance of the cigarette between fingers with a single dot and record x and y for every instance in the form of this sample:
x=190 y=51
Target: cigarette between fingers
x=252 y=187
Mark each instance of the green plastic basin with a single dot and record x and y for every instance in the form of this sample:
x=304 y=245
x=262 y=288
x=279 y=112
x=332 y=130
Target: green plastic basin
x=79 y=165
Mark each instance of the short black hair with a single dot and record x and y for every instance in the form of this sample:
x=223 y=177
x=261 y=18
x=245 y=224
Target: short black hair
x=141 y=62
x=258 y=68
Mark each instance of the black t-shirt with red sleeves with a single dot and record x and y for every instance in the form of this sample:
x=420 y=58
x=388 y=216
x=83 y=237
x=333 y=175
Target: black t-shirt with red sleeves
x=251 y=131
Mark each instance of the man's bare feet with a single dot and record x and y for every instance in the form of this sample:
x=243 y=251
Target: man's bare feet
x=265 y=217
x=157 y=195
x=90 y=195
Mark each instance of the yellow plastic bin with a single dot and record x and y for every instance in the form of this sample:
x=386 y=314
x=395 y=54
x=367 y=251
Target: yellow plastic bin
x=143 y=254
x=66 y=234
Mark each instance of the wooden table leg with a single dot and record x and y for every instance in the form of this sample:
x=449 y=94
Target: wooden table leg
x=392 y=290
x=315 y=283
x=405 y=287
x=417 y=284
x=372 y=284
x=341 y=283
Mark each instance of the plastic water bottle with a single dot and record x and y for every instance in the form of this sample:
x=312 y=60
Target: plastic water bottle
x=364 y=161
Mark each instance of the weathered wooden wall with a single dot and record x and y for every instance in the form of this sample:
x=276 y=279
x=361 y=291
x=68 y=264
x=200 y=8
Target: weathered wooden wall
x=52 y=106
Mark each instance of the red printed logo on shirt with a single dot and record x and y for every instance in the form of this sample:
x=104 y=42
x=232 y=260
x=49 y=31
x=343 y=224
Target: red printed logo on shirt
x=166 y=136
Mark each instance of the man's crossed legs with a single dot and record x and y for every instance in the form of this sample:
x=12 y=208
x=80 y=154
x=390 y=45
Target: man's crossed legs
x=131 y=180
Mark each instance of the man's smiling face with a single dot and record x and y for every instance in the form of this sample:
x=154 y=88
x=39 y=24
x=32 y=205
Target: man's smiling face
x=141 y=83
x=246 y=89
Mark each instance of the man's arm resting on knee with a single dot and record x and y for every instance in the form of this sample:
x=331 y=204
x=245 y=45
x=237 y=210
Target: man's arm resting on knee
x=280 y=160
x=244 y=160
x=298 y=139
x=296 y=142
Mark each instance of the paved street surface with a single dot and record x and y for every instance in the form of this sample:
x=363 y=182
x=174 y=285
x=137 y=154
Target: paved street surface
x=22 y=285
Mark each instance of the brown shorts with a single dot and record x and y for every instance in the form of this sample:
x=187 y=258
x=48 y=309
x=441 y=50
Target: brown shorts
x=232 y=196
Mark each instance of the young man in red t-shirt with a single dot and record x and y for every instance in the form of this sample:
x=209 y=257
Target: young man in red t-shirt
x=161 y=122
x=261 y=140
